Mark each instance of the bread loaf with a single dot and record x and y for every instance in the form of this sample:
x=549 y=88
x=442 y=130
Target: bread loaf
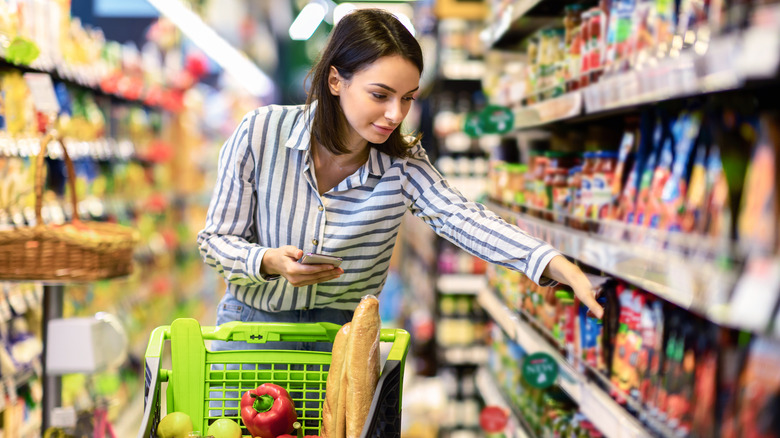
x=334 y=409
x=362 y=364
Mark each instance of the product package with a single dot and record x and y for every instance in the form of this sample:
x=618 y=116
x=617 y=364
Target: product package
x=757 y=218
x=760 y=391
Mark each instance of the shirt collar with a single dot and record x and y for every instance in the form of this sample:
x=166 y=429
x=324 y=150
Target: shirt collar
x=378 y=162
x=300 y=136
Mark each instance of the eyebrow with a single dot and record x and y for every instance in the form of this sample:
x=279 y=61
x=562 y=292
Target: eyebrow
x=392 y=90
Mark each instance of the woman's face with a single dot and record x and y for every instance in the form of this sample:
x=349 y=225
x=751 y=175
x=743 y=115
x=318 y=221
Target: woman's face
x=377 y=98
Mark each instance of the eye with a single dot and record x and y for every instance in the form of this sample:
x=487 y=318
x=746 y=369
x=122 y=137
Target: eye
x=409 y=98
x=632 y=359
x=379 y=95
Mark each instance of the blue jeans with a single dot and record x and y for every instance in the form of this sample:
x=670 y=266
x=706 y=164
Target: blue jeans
x=230 y=309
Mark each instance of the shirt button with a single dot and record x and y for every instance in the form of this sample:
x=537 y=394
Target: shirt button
x=314 y=242
x=320 y=208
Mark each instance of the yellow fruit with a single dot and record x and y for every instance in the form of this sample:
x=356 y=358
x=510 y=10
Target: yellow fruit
x=174 y=425
x=224 y=428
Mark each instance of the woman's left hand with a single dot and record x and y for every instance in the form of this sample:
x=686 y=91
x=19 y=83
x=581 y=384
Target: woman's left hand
x=563 y=271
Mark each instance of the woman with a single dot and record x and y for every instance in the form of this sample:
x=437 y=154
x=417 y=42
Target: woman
x=335 y=176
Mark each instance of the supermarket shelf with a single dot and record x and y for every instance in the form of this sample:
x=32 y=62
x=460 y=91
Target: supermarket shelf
x=466 y=70
x=706 y=68
x=697 y=281
x=520 y=19
x=86 y=79
x=460 y=284
x=606 y=414
x=493 y=396
x=549 y=111
x=462 y=356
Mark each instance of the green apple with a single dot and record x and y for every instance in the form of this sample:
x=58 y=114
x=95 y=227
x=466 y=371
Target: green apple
x=225 y=428
x=174 y=425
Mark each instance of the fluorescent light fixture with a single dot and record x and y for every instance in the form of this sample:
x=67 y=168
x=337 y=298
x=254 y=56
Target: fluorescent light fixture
x=307 y=21
x=215 y=47
x=341 y=10
x=401 y=11
x=406 y=21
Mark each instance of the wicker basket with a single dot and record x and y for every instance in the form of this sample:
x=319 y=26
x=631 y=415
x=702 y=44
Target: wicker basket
x=75 y=251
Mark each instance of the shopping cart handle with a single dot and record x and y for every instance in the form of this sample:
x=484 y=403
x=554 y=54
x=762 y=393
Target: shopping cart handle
x=262 y=332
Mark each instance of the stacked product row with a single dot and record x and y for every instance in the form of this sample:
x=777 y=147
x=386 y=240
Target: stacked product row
x=545 y=412
x=679 y=373
x=612 y=37
x=671 y=171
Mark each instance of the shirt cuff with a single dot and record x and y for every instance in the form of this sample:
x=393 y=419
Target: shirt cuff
x=538 y=261
x=254 y=261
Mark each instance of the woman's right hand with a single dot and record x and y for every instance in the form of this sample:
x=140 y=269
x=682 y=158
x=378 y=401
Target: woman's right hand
x=284 y=261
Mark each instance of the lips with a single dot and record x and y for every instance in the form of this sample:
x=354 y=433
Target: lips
x=384 y=129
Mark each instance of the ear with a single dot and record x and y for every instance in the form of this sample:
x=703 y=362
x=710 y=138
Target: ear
x=334 y=81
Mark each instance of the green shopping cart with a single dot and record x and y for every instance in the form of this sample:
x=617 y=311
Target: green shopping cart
x=207 y=385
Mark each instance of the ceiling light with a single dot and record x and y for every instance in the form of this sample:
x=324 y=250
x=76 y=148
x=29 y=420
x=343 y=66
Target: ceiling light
x=215 y=47
x=307 y=21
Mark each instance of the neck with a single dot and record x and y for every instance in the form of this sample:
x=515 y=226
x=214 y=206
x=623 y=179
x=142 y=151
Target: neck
x=352 y=158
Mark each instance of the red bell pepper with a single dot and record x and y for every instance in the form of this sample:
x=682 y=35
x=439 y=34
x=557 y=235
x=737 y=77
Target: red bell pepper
x=268 y=411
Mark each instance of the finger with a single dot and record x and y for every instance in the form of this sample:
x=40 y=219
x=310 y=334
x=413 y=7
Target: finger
x=291 y=251
x=594 y=307
x=316 y=269
x=309 y=280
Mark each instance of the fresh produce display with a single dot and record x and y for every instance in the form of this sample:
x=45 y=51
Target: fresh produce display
x=268 y=411
x=175 y=425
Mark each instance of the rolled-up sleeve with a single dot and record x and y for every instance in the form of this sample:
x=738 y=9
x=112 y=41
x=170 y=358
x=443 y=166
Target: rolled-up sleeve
x=473 y=227
x=227 y=242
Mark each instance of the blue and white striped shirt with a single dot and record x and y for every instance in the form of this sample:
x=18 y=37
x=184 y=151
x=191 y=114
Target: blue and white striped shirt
x=267 y=197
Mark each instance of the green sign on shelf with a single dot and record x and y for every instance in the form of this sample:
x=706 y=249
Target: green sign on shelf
x=540 y=370
x=497 y=119
x=473 y=124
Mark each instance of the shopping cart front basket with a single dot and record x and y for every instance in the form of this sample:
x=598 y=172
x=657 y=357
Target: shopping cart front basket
x=207 y=385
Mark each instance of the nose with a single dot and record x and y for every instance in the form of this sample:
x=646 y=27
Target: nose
x=394 y=112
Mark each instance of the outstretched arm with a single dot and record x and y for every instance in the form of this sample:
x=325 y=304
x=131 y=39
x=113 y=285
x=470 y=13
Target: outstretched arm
x=563 y=271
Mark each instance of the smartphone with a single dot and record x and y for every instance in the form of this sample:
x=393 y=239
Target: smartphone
x=320 y=259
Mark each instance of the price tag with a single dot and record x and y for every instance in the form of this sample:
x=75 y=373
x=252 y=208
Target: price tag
x=540 y=370
x=42 y=92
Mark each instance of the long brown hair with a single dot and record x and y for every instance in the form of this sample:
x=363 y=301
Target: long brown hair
x=359 y=39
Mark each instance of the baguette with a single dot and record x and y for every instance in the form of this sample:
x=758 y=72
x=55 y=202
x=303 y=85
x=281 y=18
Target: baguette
x=362 y=364
x=334 y=413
